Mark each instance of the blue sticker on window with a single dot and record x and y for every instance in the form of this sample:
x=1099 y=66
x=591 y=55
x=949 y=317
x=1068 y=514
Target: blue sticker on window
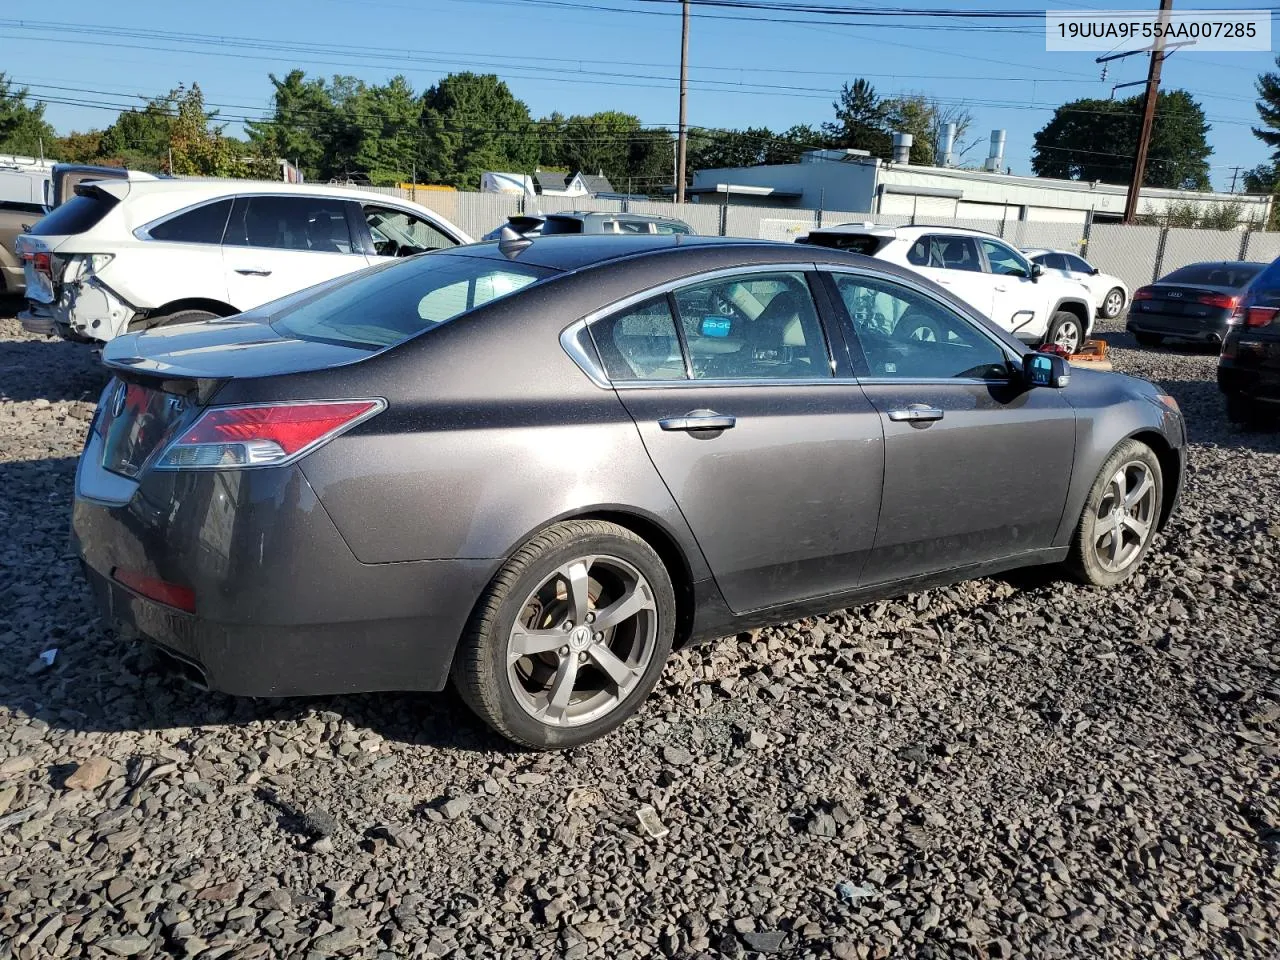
x=1041 y=370
x=716 y=326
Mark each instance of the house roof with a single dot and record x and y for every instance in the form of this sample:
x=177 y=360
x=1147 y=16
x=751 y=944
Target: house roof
x=595 y=183
x=550 y=180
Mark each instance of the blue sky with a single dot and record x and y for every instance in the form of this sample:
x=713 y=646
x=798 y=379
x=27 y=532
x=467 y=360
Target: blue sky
x=742 y=73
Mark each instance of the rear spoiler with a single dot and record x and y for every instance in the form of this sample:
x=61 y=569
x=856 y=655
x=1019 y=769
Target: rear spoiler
x=866 y=242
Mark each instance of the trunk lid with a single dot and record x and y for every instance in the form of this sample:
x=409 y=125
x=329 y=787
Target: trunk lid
x=226 y=349
x=1184 y=300
x=166 y=376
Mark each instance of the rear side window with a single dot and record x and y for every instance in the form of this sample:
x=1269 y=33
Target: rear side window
x=82 y=212
x=1051 y=261
x=630 y=226
x=946 y=253
x=204 y=224
x=640 y=343
x=673 y=227
x=314 y=224
x=384 y=306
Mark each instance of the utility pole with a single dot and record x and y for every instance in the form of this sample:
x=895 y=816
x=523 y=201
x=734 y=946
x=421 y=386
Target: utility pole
x=1148 y=117
x=683 y=136
x=1235 y=172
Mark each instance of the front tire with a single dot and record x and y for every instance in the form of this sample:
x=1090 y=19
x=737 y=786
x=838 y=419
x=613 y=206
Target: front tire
x=1112 y=304
x=1066 y=330
x=1119 y=518
x=570 y=637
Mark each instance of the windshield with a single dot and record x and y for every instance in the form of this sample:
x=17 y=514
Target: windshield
x=1233 y=275
x=384 y=306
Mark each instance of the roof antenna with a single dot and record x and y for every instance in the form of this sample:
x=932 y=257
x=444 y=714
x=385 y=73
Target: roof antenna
x=511 y=242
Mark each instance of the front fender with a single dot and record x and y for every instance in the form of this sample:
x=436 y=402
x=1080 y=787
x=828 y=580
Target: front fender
x=1111 y=408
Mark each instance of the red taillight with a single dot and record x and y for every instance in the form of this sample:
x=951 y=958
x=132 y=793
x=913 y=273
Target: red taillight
x=43 y=263
x=1142 y=293
x=1260 y=316
x=264 y=434
x=1225 y=301
x=153 y=588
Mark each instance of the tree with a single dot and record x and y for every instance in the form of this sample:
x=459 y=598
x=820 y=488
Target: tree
x=196 y=147
x=23 y=128
x=471 y=123
x=1095 y=140
x=78 y=147
x=861 y=120
x=386 y=118
x=1261 y=179
x=1268 y=105
x=304 y=109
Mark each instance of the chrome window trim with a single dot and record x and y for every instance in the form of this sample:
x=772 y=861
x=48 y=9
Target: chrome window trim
x=585 y=361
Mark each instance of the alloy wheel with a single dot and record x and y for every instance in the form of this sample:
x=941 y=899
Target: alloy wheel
x=1112 y=304
x=1125 y=516
x=582 y=642
x=1068 y=336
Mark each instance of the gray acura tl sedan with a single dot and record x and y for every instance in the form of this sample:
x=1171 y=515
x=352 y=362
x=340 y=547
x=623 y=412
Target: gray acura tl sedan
x=535 y=466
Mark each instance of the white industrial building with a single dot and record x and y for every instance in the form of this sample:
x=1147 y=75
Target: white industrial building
x=855 y=181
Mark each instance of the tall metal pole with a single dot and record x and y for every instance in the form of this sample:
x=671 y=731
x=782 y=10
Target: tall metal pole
x=1148 y=118
x=684 y=83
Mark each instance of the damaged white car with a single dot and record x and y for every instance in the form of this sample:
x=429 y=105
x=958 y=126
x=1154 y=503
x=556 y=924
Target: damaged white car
x=124 y=256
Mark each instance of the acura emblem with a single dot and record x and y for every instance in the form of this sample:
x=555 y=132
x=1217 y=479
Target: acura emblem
x=117 y=405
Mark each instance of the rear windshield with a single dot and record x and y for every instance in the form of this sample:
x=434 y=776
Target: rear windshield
x=384 y=306
x=561 y=225
x=80 y=213
x=864 y=243
x=1215 y=274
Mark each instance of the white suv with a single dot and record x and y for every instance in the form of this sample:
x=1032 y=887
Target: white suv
x=123 y=255
x=982 y=270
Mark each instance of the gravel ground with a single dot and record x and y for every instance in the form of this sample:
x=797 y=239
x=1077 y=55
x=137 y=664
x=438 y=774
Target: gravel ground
x=1008 y=768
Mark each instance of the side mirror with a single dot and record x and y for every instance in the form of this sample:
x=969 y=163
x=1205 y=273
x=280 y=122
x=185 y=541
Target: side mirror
x=1037 y=271
x=1046 y=370
x=1094 y=272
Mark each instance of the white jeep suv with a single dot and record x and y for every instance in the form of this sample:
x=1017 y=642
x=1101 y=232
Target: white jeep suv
x=982 y=270
x=123 y=255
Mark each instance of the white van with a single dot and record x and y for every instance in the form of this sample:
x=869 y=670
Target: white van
x=126 y=255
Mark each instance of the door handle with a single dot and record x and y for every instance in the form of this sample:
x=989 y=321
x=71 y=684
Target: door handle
x=698 y=421
x=253 y=271
x=1001 y=289
x=916 y=413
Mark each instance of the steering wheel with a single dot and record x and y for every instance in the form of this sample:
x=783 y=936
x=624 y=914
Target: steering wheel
x=720 y=304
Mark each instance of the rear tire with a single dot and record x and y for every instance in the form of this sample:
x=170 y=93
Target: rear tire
x=1066 y=330
x=1148 y=339
x=1112 y=304
x=539 y=664
x=1243 y=410
x=1119 y=518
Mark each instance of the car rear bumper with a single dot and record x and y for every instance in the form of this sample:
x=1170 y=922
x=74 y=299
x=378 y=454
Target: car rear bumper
x=282 y=606
x=1200 y=329
x=38 y=319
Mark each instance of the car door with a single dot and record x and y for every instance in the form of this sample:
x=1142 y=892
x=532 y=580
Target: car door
x=1018 y=305
x=976 y=465
x=1078 y=269
x=276 y=244
x=396 y=232
x=953 y=261
x=775 y=462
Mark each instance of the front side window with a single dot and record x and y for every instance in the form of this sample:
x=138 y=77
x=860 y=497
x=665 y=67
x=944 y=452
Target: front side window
x=945 y=252
x=1005 y=260
x=204 y=224
x=640 y=343
x=906 y=335
x=759 y=326
x=397 y=233
x=386 y=305
x=314 y=224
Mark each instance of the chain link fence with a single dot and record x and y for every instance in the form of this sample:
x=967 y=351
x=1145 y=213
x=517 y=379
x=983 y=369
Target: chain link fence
x=1136 y=254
